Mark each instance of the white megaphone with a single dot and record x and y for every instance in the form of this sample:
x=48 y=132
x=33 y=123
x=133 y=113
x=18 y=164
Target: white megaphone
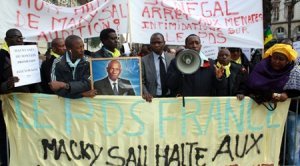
x=188 y=61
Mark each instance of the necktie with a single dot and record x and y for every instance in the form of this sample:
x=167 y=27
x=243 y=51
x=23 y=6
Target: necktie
x=163 y=73
x=115 y=89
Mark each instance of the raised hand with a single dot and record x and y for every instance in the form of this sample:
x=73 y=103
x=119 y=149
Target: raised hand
x=219 y=71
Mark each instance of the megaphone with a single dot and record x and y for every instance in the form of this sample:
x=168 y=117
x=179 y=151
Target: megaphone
x=188 y=61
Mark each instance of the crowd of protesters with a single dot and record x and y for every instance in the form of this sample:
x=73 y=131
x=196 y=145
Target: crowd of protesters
x=66 y=71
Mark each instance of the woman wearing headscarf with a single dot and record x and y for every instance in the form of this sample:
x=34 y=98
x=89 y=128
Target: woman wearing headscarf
x=269 y=77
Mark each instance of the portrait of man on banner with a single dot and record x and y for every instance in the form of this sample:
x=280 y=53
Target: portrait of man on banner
x=116 y=76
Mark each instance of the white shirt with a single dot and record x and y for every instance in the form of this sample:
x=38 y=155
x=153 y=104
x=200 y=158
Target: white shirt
x=112 y=84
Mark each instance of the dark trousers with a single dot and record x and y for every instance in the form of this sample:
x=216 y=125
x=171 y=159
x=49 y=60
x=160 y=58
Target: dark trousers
x=3 y=143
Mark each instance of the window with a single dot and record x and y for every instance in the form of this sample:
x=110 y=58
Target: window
x=280 y=33
x=280 y=30
x=276 y=14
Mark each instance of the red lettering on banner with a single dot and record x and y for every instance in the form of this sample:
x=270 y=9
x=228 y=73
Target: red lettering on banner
x=189 y=6
x=156 y=10
x=168 y=11
x=213 y=38
x=19 y=18
x=121 y=12
x=97 y=28
x=228 y=13
x=71 y=23
x=179 y=36
x=117 y=22
x=31 y=21
x=241 y=30
x=146 y=11
x=151 y=3
x=36 y=5
x=243 y=20
x=58 y=20
x=49 y=36
x=111 y=13
x=217 y=9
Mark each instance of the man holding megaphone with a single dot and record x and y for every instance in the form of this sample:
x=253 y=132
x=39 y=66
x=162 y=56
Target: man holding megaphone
x=192 y=73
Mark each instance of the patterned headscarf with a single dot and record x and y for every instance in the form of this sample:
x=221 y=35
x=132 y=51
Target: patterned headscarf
x=285 y=49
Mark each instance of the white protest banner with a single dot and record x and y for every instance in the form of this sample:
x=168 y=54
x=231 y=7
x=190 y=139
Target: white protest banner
x=210 y=51
x=25 y=64
x=42 y=21
x=218 y=22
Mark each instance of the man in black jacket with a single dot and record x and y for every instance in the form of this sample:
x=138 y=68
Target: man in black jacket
x=71 y=72
x=57 y=50
x=201 y=83
x=109 y=40
x=235 y=76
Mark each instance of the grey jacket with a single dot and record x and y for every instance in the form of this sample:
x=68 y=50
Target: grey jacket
x=149 y=73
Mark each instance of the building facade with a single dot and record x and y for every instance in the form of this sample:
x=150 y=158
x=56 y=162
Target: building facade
x=279 y=21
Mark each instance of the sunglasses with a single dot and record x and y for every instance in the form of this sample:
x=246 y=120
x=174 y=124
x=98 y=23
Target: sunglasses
x=16 y=37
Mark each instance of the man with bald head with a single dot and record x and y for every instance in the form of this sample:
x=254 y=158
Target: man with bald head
x=235 y=76
x=57 y=50
x=113 y=84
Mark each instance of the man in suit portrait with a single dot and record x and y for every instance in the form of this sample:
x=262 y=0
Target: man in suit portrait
x=112 y=84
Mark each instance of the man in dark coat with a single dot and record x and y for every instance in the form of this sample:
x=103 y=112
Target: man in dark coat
x=109 y=40
x=201 y=83
x=57 y=50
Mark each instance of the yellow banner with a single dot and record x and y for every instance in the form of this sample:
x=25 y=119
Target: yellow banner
x=108 y=130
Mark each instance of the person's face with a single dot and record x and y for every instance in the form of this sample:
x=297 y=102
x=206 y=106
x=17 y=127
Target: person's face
x=145 y=50
x=112 y=41
x=60 y=47
x=77 y=49
x=224 y=57
x=114 y=70
x=235 y=53
x=157 y=44
x=278 y=61
x=15 y=38
x=193 y=43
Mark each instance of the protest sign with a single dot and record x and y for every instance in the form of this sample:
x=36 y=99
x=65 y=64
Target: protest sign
x=25 y=64
x=116 y=130
x=210 y=51
x=41 y=21
x=218 y=22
